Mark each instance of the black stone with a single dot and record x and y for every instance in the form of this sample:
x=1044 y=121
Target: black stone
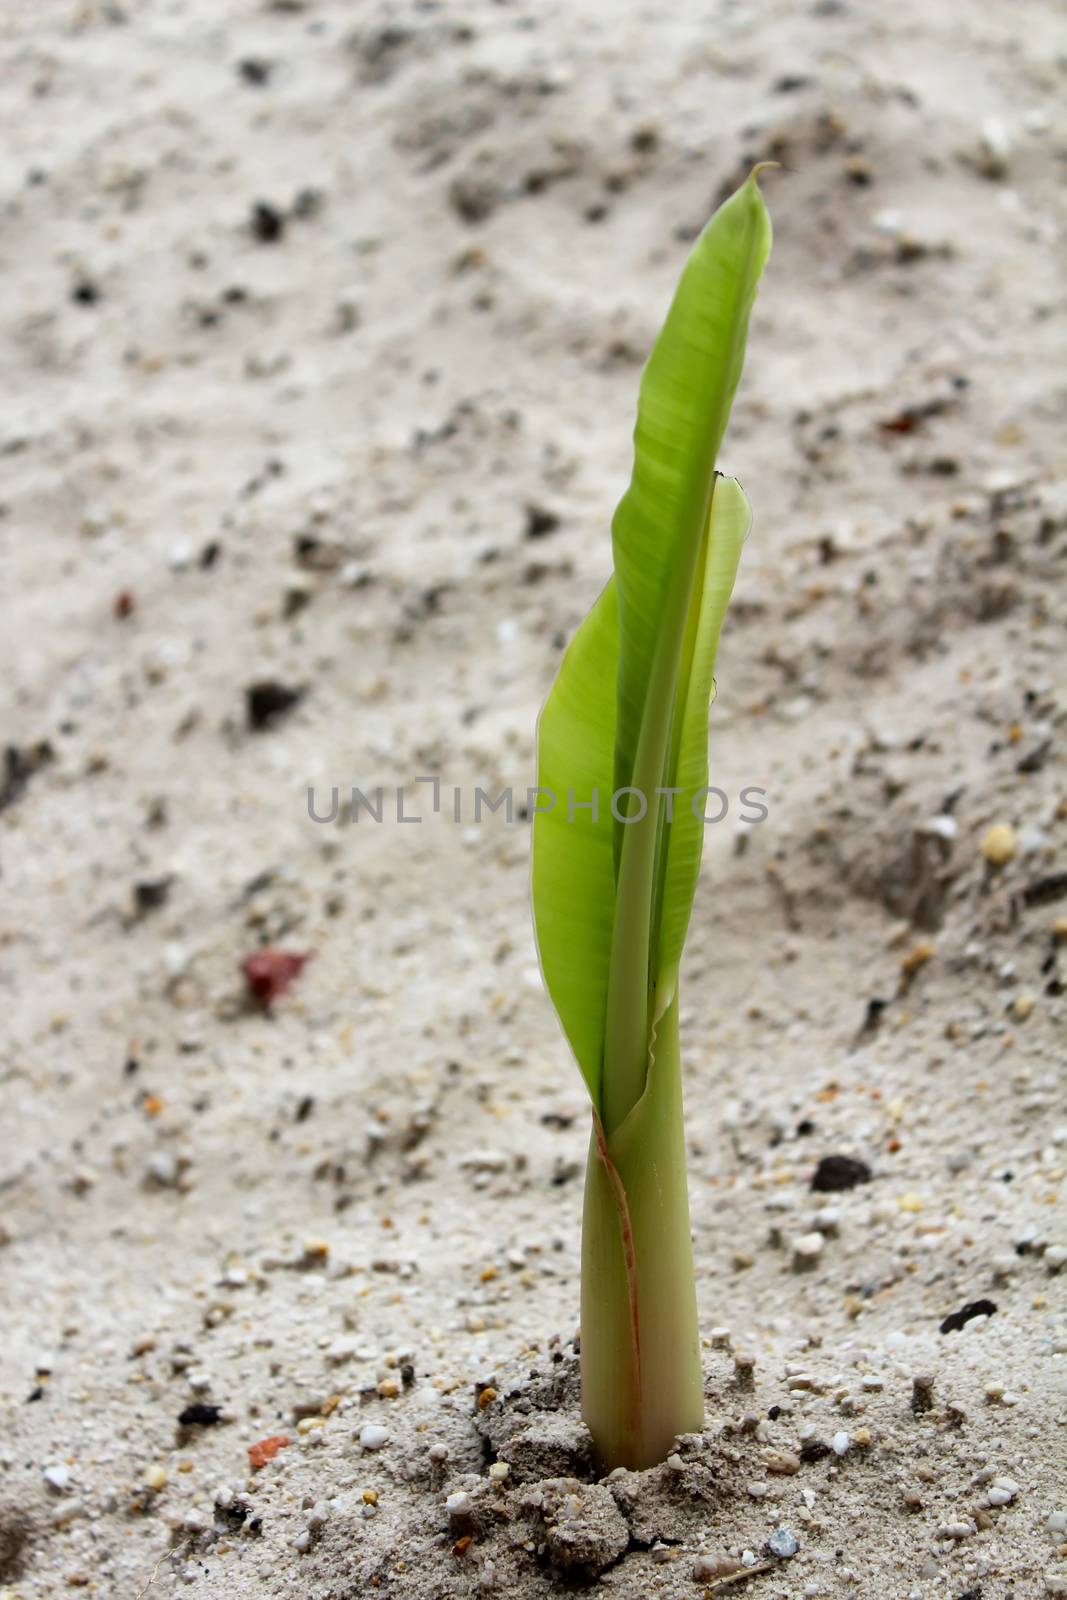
x=267 y=222
x=959 y=1319
x=834 y=1174
x=199 y=1415
x=266 y=702
x=540 y=521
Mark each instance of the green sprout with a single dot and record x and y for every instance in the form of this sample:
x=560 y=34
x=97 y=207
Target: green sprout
x=622 y=769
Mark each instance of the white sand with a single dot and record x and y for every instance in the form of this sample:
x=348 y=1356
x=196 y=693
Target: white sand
x=401 y=383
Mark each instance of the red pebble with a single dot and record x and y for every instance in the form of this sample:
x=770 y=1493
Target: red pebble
x=123 y=604
x=259 y=1454
x=268 y=973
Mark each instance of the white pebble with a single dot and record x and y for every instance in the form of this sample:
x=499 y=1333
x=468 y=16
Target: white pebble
x=840 y=1443
x=162 y=1168
x=711 y=1566
x=373 y=1436
x=66 y=1511
x=57 y=1477
x=459 y=1504
x=675 y=1463
x=1057 y=1523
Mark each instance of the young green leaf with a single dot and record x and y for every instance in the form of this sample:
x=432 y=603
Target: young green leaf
x=573 y=880
x=600 y=940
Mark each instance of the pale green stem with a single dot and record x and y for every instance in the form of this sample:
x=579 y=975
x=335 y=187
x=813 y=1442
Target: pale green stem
x=641 y=1374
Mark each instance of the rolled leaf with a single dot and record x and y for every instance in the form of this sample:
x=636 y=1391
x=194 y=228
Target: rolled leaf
x=727 y=530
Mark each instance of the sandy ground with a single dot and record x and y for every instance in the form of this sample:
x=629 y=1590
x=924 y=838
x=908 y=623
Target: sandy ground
x=322 y=324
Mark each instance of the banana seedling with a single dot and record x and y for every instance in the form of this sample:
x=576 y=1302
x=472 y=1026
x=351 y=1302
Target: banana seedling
x=622 y=747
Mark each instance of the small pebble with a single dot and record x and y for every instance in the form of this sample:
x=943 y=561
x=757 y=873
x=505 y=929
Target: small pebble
x=1002 y=1492
x=840 y=1443
x=459 y=1504
x=999 y=844
x=66 y=1512
x=834 y=1174
x=922 y=1393
x=155 y=1477
x=807 y=1250
x=57 y=1477
x=711 y=1566
x=373 y=1436
x=783 y=1544
x=783 y=1462
x=162 y=1169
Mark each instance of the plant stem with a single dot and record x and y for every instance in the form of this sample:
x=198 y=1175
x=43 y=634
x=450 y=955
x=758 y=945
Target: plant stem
x=641 y=1375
